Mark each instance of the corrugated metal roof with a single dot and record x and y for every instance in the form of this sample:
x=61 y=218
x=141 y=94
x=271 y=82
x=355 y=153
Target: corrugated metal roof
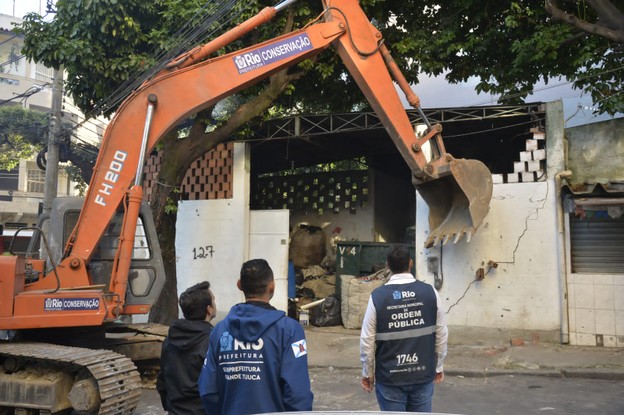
x=592 y=188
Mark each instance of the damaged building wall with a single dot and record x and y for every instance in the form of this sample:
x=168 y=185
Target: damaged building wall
x=515 y=254
x=509 y=276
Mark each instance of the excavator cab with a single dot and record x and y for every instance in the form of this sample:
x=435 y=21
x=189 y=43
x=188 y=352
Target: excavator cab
x=146 y=276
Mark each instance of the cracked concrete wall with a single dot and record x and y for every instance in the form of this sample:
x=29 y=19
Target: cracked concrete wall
x=519 y=234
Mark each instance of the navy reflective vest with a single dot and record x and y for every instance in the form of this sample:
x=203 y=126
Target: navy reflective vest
x=406 y=333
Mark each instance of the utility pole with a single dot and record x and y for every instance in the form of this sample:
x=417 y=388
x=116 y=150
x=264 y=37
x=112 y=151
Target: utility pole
x=52 y=158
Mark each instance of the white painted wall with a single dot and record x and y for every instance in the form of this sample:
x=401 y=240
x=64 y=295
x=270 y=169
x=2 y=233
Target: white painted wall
x=228 y=234
x=596 y=308
x=222 y=224
x=216 y=226
x=519 y=233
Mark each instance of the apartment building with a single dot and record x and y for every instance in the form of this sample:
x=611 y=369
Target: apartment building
x=29 y=85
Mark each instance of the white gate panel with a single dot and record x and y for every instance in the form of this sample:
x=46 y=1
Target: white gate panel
x=211 y=244
x=268 y=239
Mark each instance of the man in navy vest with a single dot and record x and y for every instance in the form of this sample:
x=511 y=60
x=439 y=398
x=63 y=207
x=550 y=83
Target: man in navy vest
x=403 y=341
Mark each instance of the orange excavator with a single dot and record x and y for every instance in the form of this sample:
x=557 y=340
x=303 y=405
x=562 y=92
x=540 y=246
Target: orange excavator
x=108 y=267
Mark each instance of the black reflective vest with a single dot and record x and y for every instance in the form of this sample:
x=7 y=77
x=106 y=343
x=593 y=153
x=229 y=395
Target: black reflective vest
x=406 y=333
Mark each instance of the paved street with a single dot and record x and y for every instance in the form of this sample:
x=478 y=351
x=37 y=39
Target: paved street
x=510 y=395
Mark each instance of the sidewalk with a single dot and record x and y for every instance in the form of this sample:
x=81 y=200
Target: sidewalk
x=481 y=355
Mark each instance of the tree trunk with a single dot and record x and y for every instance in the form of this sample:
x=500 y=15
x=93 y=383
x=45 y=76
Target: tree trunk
x=178 y=155
x=171 y=174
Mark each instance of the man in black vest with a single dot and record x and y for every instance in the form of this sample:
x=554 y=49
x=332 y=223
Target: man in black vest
x=403 y=341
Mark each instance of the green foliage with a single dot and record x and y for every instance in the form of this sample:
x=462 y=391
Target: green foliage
x=76 y=175
x=507 y=45
x=22 y=133
x=171 y=207
x=99 y=43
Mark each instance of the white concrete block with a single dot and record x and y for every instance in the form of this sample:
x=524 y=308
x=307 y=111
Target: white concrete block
x=585 y=296
x=584 y=339
x=520 y=166
x=571 y=297
x=497 y=179
x=513 y=178
x=534 y=165
x=618 y=297
x=539 y=154
x=610 y=341
x=539 y=136
x=531 y=145
x=527 y=177
x=605 y=322
x=526 y=155
x=585 y=321
x=619 y=326
x=572 y=319
x=604 y=297
x=532 y=294
x=603 y=280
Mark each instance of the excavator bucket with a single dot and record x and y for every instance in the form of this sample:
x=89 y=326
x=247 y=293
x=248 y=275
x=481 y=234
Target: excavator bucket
x=457 y=202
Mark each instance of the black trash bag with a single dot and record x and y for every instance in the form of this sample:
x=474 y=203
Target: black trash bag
x=304 y=292
x=327 y=313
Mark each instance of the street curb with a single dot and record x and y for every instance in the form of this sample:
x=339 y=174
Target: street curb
x=594 y=373
x=577 y=373
x=485 y=373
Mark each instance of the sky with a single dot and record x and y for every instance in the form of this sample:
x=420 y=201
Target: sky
x=433 y=92
x=19 y=8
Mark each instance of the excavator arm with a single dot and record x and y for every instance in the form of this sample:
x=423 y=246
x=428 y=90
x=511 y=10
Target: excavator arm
x=457 y=191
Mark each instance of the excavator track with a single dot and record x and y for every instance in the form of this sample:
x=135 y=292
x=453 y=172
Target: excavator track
x=85 y=380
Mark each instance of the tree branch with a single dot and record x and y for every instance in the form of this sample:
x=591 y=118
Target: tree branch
x=253 y=108
x=591 y=28
x=608 y=14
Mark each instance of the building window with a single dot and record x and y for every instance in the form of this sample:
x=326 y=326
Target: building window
x=43 y=74
x=35 y=181
x=9 y=81
x=13 y=62
x=597 y=242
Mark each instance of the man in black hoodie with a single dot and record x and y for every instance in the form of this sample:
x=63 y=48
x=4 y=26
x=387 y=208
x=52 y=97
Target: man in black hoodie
x=183 y=352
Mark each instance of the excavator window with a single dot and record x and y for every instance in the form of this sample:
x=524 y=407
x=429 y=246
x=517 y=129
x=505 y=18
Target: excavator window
x=107 y=247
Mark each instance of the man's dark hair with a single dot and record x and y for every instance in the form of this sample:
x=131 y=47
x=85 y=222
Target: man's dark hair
x=398 y=258
x=255 y=276
x=195 y=301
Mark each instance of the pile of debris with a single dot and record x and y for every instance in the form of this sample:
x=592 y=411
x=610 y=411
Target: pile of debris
x=322 y=299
